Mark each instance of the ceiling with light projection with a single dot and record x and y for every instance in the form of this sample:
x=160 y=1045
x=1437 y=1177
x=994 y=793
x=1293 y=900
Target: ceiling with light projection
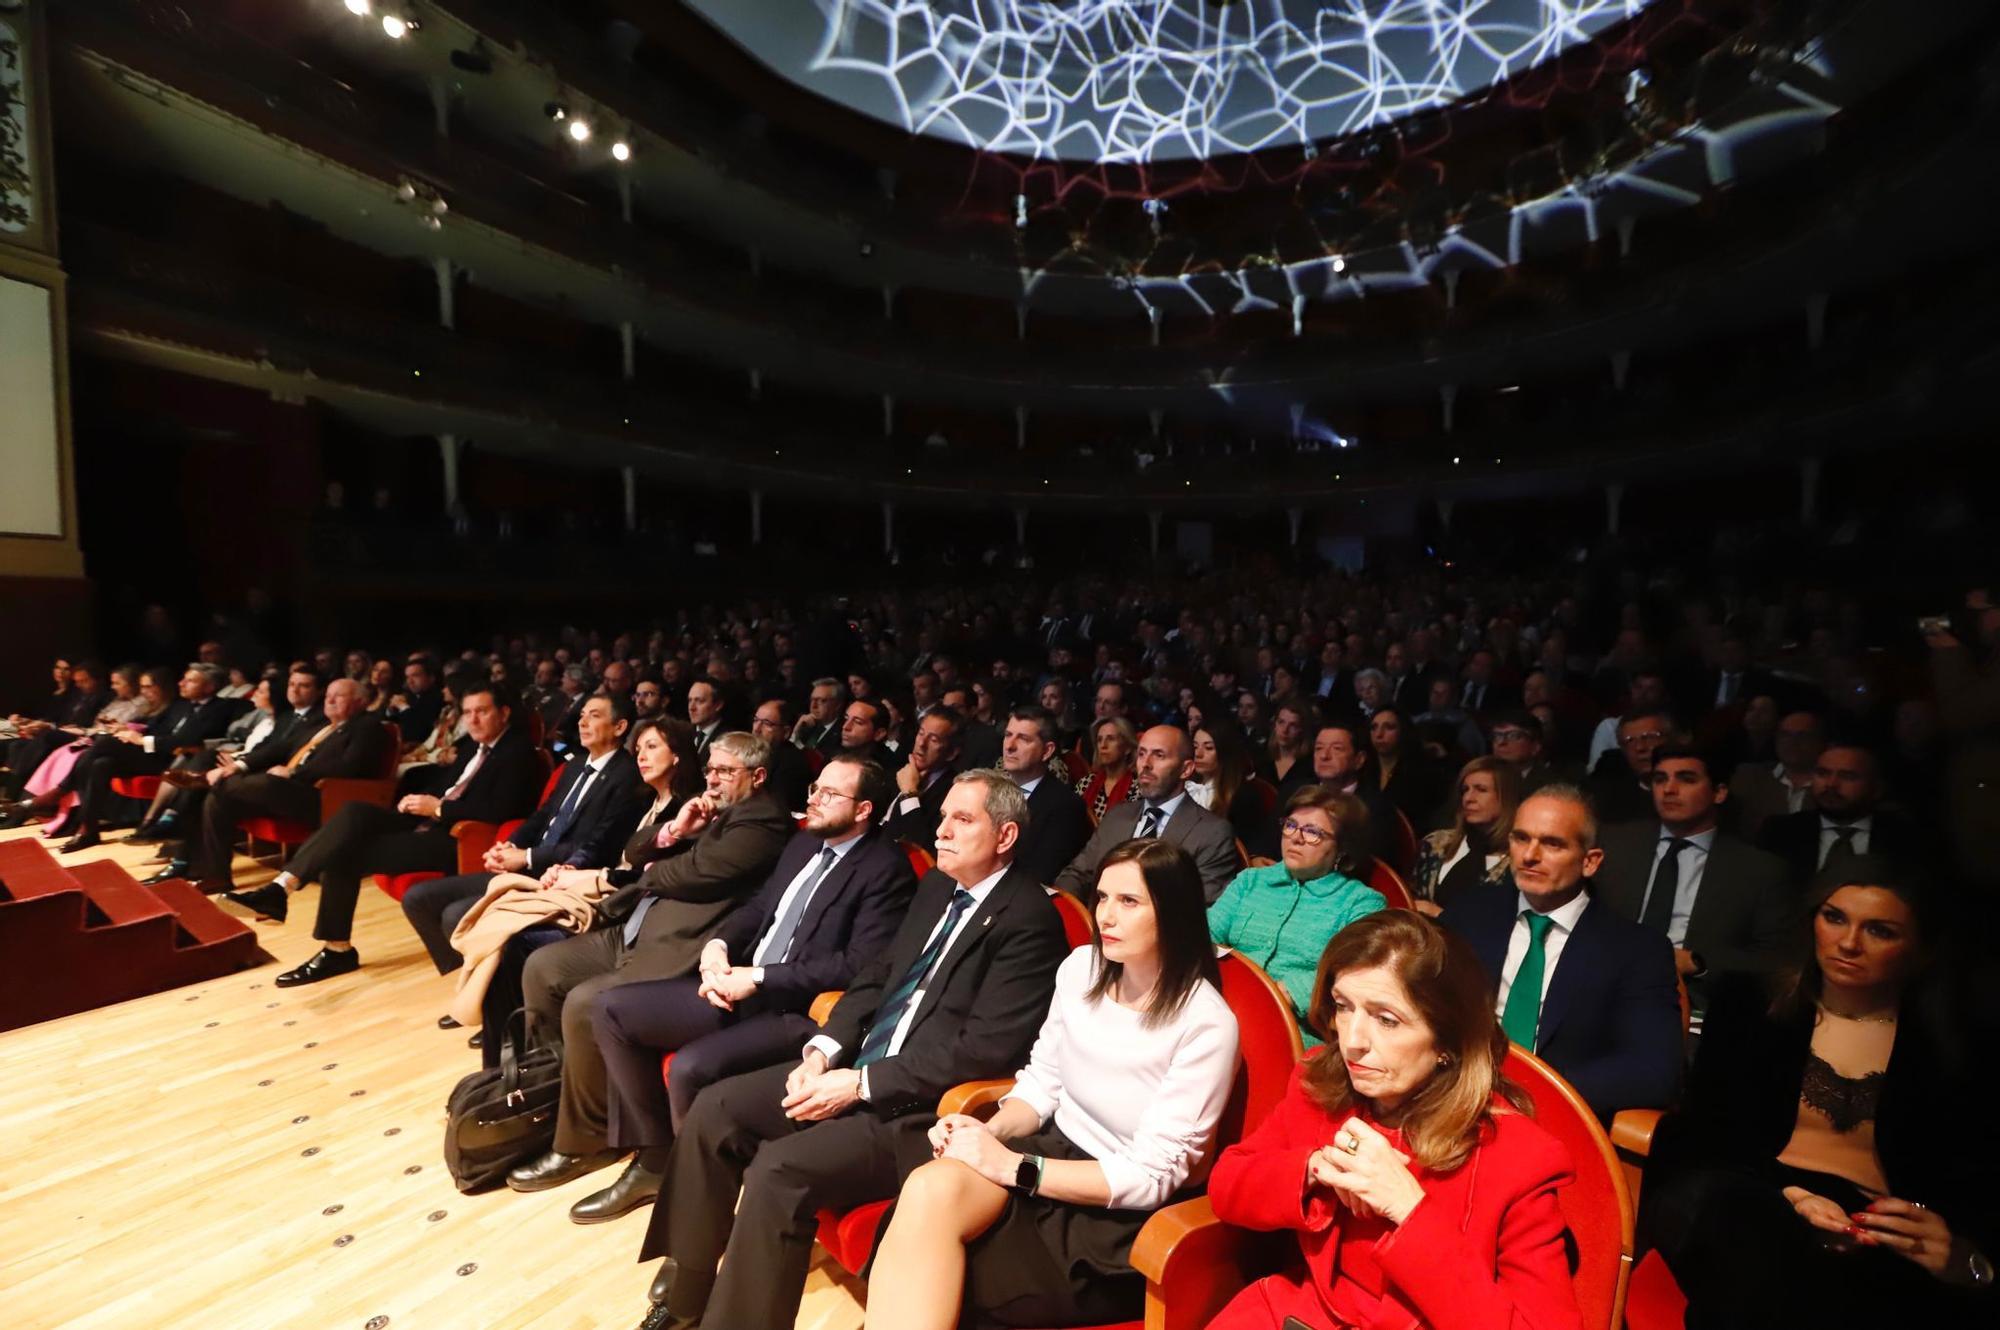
x=1138 y=81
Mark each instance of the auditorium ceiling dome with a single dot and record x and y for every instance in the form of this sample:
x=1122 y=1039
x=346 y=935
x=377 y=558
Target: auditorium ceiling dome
x=1139 y=81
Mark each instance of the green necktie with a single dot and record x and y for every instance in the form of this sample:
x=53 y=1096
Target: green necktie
x=1524 y=999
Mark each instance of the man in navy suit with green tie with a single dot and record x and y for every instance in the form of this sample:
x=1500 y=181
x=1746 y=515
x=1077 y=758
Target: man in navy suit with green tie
x=1589 y=991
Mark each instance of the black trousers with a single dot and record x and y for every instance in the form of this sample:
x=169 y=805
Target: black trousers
x=639 y=1023
x=253 y=794
x=738 y=1136
x=1748 y=1262
x=363 y=839
x=434 y=909
x=560 y=985
x=107 y=759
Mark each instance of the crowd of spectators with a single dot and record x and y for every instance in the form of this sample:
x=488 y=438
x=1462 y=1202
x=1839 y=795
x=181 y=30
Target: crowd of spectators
x=1630 y=815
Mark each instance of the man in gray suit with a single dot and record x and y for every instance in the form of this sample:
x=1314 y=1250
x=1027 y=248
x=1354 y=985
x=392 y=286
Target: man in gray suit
x=1159 y=806
x=1724 y=904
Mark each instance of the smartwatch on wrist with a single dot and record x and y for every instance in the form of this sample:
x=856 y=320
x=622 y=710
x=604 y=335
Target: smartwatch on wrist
x=1028 y=1175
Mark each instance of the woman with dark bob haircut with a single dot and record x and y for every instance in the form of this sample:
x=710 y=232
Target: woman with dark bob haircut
x=1028 y=1218
x=1820 y=1171
x=1420 y=1192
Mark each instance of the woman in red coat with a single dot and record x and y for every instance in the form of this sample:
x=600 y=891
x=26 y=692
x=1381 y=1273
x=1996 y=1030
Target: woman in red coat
x=1421 y=1193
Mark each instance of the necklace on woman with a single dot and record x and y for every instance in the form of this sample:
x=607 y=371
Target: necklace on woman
x=1873 y=1018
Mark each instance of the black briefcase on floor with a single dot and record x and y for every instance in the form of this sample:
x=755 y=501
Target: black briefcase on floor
x=502 y=1116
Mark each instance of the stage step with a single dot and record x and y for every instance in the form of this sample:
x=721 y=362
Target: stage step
x=89 y=935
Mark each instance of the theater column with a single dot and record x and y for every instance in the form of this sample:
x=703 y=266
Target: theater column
x=47 y=601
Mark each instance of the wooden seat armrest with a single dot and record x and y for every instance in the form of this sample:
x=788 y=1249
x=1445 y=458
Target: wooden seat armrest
x=336 y=792
x=1632 y=1129
x=1194 y=1263
x=974 y=1096
x=823 y=1005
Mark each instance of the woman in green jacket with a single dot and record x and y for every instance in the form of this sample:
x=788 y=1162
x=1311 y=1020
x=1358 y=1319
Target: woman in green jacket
x=1282 y=915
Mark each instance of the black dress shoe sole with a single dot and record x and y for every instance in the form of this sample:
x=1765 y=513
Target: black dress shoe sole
x=448 y=1023
x=261 y=902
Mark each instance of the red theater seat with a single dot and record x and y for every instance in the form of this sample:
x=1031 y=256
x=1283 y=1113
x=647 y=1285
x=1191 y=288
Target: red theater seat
x=334 y=794
x=474 y=840
x=1176 y=1250
x=1395 y=892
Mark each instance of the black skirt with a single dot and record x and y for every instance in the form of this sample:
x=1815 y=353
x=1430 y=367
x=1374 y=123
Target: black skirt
x=1052 y=1263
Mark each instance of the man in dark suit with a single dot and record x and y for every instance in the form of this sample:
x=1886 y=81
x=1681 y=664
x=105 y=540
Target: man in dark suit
x=1590 y=992
x=1516 y=738
x=595 y=804
x=1335 y=686
x=1340 y=754
x=979 y=743
x=1846 y=817
x=279 y=778
x=1482 y=693
x=721 y=847
x=422 y=699
x=1723 y=904
x=1058 y=827
x=785 y=775
x=958 y=996
x=495 y=779
x=1159 y=806
x=1621 y=785
x=922 y=782
x=819 y=727
x=833 y=902
x=190 y=723
x=705 y=707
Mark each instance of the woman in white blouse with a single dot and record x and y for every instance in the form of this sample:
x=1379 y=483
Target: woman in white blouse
x=1028 y=1219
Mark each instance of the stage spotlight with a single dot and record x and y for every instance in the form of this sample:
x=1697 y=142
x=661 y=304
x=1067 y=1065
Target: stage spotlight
x=580 y=130
x=407 y=191
x=621 y=151
x=1339 y=265
x=396 y=27
x=359 y=8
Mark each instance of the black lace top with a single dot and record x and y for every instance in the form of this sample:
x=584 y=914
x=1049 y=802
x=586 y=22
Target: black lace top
x=1846 y=1101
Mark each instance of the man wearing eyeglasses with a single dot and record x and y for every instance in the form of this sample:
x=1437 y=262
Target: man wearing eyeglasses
x=1622 y=786
x=836 y=897
x=720 y=848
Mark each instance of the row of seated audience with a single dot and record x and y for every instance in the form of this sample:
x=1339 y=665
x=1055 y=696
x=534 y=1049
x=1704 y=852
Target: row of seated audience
x=661 y=899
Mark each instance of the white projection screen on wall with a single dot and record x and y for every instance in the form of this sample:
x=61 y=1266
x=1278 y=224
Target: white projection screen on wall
x=31 y=501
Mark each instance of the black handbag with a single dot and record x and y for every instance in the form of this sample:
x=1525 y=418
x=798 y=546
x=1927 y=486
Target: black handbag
x=498 y=1117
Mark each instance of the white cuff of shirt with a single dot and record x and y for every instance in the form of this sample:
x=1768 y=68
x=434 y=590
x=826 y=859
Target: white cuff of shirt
x=908 y=803
x=147 y=740
x=829 y=1047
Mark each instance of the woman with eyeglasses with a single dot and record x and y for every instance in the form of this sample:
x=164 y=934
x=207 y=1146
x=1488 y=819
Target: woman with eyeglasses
x=1281 y=915
x=1472 y=852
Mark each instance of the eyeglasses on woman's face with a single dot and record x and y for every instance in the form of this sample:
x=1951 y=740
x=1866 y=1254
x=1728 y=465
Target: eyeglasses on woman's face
x=1313 y=836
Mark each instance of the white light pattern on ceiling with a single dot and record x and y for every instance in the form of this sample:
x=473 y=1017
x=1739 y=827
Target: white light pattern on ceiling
x=1154 y=80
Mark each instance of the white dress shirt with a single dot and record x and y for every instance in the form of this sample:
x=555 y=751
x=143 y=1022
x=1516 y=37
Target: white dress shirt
x=1562 y=922
x=1687 y=885
x=1143 y=1101
x=979 y=891
x=758 y=957
x=1863 y=833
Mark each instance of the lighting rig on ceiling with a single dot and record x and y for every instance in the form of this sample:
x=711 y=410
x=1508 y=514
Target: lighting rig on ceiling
x=422 y=197
x=396 y=20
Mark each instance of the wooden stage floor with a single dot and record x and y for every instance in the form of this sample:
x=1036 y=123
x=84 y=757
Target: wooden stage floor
x=234 y=1156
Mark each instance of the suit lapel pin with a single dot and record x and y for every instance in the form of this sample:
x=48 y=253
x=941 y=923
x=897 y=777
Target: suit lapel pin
x=987 y=920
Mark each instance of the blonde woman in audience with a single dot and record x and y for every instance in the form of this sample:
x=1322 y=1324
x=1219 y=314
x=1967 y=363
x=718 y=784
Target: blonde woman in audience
x=1113 y=742
x=1472 y=852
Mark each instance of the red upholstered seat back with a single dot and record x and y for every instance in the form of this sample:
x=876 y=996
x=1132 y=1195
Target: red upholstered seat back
x=1268 y=1036
x=1395 y=892
x=392 y=752
x=1403 y=841
x=1076 y=919
x=921 y=861
x=1597 y=1206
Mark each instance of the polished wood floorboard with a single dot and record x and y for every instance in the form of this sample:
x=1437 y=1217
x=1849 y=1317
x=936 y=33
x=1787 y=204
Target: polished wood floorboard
x=235 y=1156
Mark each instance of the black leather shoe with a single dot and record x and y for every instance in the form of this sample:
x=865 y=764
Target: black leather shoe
x=555 y=1168
x=663 y=1282
x=173 y=870
x=327 y=965
x=272 y=901
x=635 y=1187
x=478 y=1039
x=657 y=1317
x=83 y=840
x=18 y=815
x=448 y=1023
